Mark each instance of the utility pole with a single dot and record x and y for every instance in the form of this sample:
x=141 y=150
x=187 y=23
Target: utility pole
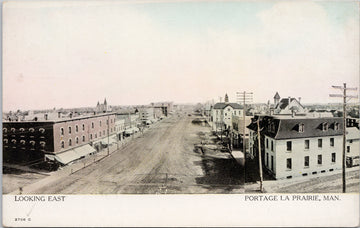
x=260 y=161
x=244 y=98
x=108 y=125
x=344 y=96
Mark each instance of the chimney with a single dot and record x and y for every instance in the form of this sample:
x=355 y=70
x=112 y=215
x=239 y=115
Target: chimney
x=289 y=99
x=46 y=116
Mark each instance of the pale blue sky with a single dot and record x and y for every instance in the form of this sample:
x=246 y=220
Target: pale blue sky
x=77 y=53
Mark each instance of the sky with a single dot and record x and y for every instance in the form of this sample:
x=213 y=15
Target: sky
x=74 y=53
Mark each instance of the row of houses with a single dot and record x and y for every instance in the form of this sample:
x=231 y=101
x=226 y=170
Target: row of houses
x=294 y=142
x=65 y=138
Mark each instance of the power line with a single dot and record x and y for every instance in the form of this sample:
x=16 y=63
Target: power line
x=345 y=97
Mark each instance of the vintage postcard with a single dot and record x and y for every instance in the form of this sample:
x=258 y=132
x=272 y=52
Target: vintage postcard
x=180 y=113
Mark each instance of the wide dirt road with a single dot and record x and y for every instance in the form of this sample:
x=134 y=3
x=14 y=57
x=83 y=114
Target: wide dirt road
x=160 y=161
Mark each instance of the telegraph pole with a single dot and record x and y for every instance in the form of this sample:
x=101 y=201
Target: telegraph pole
x=260 y=161
x=244 y=98
x=344 y=96
x=108 y=125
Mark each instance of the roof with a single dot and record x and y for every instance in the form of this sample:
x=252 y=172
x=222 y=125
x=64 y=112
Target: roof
x=222 y=105
x=285 y=102
x=277 y=96
x=287 y=128
x=352 y=133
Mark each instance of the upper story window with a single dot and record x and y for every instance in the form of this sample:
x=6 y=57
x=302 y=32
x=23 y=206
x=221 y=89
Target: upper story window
x=320 y=143
x=32 y=143
x=336 y=126
x=31 y=129
x=22 y=142
x=83 y=138
x=61 y=131
x=42 y=130
x=69 y=130
x=288 y=163
x=307 y=144
x=62 y=144
x=228 y=109
x=5 y=130
x=301 y=128
x=77 y=128
x=288 y=145
x=83 y=127
x=325 y=126
x=70 y=142
x=42 y=144
x=76 y=140
x=92 y=124
x=6 y=141
x=332 y=142
x=272 y=145
x=12 y=130
x=267 y=143
x=100 y=123
x=22 y=129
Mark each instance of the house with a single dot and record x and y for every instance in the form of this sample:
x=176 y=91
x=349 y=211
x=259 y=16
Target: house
x=352 y=142
x=287 y=105
x=298 y=146
x=222 y=114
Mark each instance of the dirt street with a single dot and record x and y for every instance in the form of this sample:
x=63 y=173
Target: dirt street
x=162 y=160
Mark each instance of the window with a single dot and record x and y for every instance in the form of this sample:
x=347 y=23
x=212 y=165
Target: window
x=107 y=121
x=272 y=163
x=83 y=138
x=42 y=130
x=348 y=149
x=61 y=131
x=69 y=130
x=331 y=141
x=77 y=128
x=6 y=141
x=319 y=143
x=92 y=124
x=70 y=142
x=225 y=114
x=13 y=141
x=336 y=126
x=100 y=123
x=319 y=159
x=42 y=144
x=267 y=160
x=301 y=128
x=306 y=161
x=22 y=142
x=62 y=144
x=32 y=143
x=103 y=132
x=12 y=130
x=350 y=141
x=100 y=134
x=288 y=145
x=307 y=144
x=267 y=143
x=31 y=130
x=22 y=130
x=5 y=130
x=325 y=126
x=95 y=135
x=83 y=127
x=288 y=163
x=333 y=157
x=272 y=146
x=90 y=136
x=77 y=140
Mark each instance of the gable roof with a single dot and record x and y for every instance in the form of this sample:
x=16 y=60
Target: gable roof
x=222 y=105
x=285 y=102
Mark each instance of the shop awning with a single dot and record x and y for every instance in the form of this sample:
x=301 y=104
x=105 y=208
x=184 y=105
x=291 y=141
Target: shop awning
x=84 y=150
x=67 y=157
